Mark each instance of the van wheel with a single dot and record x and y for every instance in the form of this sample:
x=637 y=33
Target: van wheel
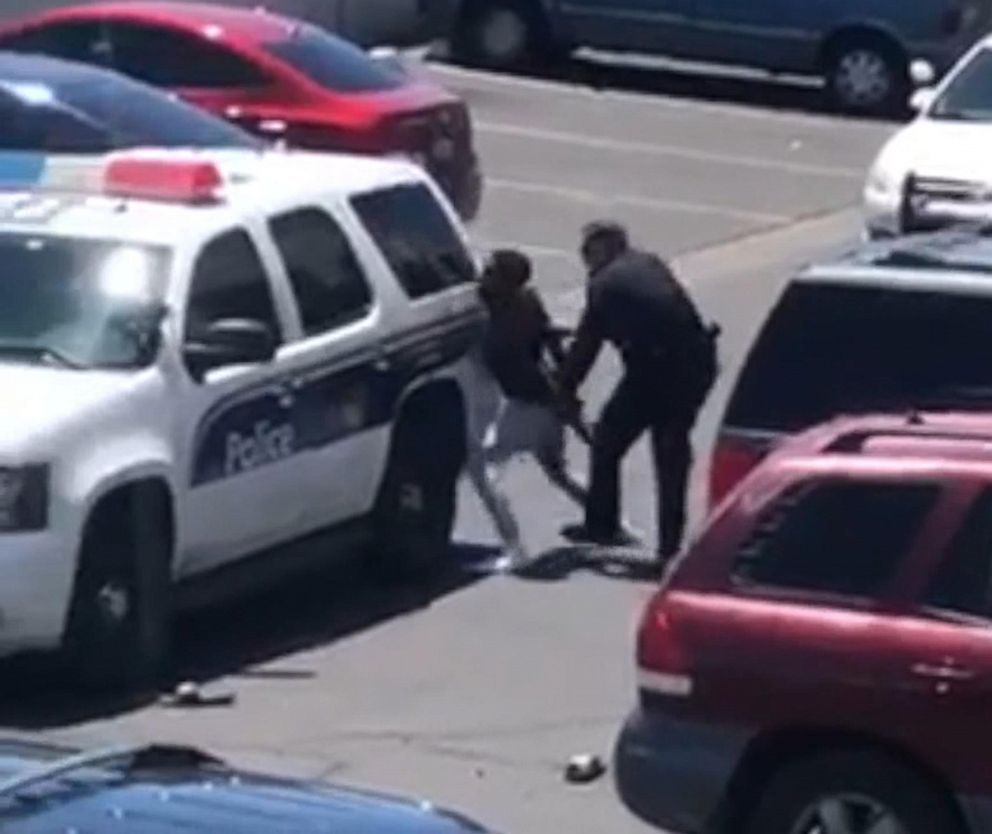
x=851 y=793
x=415 y=511
x=502 y=34
x=119 y=624
x=866 y=75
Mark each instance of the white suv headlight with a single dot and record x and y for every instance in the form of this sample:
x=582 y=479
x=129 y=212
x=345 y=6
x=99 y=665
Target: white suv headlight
x=882 y=182
x=23 y=498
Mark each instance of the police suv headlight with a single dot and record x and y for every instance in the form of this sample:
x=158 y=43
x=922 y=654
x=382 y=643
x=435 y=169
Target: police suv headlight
x=23 y=498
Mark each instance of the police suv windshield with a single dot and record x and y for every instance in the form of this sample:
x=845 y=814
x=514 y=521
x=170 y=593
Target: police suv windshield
x=969 y=95
x=833 y=349
x=79 y=303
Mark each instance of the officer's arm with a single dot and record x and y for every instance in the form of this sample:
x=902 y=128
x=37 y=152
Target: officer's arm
x=582 y=355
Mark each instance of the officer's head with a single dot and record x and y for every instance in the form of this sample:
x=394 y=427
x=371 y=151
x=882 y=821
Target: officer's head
x=602 y=242
x=506 y=271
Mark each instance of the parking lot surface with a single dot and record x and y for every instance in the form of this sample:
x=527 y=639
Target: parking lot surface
x=474 y=693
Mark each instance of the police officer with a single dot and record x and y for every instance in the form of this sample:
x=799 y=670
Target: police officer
x=636 y=303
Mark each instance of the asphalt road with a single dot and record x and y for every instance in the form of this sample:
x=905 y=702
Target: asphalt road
x=475 y=692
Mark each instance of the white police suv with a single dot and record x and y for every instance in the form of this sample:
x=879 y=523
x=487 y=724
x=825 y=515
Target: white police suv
x=204 y=355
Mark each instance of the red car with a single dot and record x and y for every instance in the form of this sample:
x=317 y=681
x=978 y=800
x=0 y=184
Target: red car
x=820 y=661
x=273 y=75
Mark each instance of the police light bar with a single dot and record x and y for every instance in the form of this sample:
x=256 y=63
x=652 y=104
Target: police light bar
x=139 y=174
x=194 y=181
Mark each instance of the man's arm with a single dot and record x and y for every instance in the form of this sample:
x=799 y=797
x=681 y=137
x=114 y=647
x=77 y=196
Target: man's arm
x=552 y=335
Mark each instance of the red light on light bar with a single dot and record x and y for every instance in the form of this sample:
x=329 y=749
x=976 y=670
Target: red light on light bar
x=187 y=181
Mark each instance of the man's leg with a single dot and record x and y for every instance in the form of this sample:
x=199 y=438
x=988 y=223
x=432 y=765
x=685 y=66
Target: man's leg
x=550 y=454
x=670 y=442
x=487 y=458
x=623 y=420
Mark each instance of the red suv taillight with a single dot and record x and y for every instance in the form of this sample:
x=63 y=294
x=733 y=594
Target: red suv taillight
x=732 y=461
x=662 y=667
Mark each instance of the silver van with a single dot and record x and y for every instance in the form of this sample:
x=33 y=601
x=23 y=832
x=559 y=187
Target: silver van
x=863 y=48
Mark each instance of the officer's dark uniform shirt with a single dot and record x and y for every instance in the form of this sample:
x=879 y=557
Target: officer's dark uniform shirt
x=514 y=344
x=637 y=304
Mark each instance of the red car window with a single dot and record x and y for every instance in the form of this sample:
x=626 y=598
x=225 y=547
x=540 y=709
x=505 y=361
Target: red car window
x=167 y=58
x=83 y=41
x=332 y=62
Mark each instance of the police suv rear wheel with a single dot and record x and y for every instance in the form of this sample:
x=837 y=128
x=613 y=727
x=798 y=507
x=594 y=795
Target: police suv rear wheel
x=415 y=512
x=117 y=635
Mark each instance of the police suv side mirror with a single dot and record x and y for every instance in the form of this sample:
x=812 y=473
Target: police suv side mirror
x=229 y=342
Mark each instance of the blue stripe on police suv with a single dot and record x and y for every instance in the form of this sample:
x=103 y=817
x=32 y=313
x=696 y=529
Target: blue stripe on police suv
x=21 y=168
x=246 y=435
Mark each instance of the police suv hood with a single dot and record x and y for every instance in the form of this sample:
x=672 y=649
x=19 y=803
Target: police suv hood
x=39 y=401
x=198 y=801
x=940 y=149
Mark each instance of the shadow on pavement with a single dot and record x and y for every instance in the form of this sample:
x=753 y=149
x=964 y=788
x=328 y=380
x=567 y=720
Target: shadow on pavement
x=710 y=84
x=561 y=563
x=234 y=640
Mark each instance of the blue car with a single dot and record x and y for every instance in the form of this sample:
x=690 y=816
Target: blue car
x=166 y=789
x=62 y=107
x=863 y=48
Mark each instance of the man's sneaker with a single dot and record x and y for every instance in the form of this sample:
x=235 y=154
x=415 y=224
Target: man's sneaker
x=580 y=534
x=512 y=558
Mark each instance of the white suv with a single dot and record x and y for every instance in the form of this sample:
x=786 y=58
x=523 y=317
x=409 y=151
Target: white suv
x=936 y=171
x=218 y=353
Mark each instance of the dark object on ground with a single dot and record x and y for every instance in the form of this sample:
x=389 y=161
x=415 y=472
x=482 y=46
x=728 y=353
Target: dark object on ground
x=584 y=768
x=190 y=694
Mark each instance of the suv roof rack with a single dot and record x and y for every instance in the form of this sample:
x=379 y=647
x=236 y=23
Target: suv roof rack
x=937 y=250
x=854 y=440
x=128 y=757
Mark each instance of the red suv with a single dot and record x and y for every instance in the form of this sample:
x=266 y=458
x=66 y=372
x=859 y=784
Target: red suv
x=274 y=76
x=820 y=661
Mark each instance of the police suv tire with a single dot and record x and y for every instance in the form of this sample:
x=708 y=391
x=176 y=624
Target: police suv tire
x=415 y=511
x=860 y=778
x=119 y=624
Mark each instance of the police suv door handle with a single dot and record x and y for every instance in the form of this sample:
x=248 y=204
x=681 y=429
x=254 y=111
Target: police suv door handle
x=286 y=392
x=382 y=363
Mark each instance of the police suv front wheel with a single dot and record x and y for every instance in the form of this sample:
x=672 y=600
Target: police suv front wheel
x=415 y=511
x=117 y=634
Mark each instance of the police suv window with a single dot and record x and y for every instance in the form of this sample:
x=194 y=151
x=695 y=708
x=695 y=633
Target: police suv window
x=846 y=538
x=166 y=58
x=962 y=583
x=419 y=242
x=327 y=280
x=230 y=282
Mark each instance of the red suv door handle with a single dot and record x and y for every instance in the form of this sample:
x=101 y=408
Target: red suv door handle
x=943 y=672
